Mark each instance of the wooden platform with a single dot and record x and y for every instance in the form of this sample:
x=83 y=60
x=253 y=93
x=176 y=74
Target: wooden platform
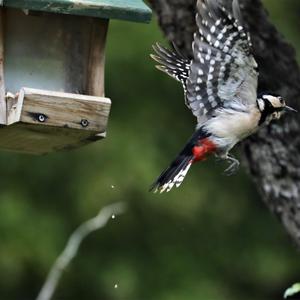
x=40 y=121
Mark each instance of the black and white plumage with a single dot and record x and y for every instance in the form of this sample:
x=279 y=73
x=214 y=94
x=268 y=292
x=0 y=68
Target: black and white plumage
x=220 y=85
x=223 y=65
x=173 y=63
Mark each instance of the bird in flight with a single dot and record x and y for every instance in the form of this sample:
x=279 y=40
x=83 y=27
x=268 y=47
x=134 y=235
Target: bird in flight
x=220 y=88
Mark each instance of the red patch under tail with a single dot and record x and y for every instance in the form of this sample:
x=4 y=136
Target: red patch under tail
x=195 y=150
x=204 y=148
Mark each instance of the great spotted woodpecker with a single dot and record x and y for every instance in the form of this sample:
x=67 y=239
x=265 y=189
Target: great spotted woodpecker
x=220 y=87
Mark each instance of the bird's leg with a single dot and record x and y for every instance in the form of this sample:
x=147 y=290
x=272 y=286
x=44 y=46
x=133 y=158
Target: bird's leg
x=234 y=166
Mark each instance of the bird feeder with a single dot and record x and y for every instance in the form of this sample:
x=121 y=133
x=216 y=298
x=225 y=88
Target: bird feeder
x=52 y=55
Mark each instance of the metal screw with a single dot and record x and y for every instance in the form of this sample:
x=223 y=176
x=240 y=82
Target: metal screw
x=42 y=118
x=84 y=123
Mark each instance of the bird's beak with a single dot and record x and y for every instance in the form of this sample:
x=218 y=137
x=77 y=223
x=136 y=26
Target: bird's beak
x=290 y=109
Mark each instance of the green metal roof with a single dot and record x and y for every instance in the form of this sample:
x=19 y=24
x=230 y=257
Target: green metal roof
x=132 y=10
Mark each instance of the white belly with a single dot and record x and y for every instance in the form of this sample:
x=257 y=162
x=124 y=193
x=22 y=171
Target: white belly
x=229 y=127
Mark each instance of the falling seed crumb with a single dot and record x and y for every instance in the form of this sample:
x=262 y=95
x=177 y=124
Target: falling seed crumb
x=112 y=186
x=113 y=216
x=116 y=286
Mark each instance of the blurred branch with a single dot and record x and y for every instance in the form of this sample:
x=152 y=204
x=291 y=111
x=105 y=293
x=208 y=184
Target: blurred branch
x=72 y=247
x=272 y=156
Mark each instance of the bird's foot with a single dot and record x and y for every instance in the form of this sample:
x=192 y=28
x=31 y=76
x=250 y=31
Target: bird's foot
x=234 y=166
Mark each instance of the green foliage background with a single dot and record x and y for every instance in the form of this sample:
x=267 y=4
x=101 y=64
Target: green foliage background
x=213 y=239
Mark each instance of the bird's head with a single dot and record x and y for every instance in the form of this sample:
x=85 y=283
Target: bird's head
x=272 y=107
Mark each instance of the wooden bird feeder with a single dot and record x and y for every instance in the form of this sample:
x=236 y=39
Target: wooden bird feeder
x=52 y=56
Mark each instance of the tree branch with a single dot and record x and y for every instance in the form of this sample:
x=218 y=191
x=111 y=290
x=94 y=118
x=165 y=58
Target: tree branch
x=72 y=247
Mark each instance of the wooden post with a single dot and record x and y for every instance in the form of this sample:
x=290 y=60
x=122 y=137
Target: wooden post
x=96 y=60
x=3 y=118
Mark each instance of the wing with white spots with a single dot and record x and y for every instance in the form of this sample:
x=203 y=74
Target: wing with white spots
x=172 y=62
x=223 y=67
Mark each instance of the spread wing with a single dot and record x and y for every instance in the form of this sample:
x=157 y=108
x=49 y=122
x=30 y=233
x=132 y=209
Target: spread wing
x=223 y=67
x=173 y=63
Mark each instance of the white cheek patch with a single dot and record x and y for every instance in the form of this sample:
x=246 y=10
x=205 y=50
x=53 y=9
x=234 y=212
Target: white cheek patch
x=275 y=101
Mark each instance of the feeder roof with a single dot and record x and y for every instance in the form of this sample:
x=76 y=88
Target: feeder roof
x=132 y=10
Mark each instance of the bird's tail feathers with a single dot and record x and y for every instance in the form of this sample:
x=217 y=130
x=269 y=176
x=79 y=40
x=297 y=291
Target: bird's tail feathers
x=197 y=148
x=173 y=175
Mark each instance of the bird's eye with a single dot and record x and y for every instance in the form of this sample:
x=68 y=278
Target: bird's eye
x=281 y=100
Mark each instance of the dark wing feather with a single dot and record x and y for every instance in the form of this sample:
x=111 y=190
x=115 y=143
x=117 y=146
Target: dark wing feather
x=172 y=62
x=237 y=12
x=223 y=67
